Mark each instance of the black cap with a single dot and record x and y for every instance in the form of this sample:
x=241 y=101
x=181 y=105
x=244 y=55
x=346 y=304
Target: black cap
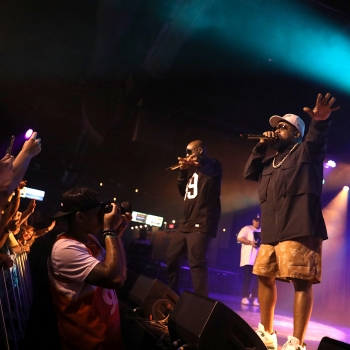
x=257 y=217
x=78 y=199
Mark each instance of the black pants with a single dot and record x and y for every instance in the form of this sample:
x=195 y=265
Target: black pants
x=250 y=282
x=196 y=245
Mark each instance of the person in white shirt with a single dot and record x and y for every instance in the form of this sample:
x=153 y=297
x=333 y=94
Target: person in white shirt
x=249 y=237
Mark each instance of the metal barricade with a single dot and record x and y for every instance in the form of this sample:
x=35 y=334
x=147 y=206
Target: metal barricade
x=16 y=295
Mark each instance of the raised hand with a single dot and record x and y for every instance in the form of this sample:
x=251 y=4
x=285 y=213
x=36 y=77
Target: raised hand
x=32 y=146
x=113 y=219
x=22 y=184
x=31 y=206
x=52 y=225
x=323 y=107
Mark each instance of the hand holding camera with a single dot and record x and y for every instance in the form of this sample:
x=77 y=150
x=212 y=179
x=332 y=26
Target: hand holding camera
x=117 y=216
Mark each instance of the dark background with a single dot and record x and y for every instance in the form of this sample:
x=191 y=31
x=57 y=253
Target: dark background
x=117 y=89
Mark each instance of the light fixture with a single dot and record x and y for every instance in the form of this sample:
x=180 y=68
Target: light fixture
x=330 y=164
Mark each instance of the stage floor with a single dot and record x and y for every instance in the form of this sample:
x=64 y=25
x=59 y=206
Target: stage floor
x=318 y=327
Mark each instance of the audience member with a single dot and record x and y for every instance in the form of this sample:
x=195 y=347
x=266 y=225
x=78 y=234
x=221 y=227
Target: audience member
x=12 y=169
x=83 y=275
x=28 y=234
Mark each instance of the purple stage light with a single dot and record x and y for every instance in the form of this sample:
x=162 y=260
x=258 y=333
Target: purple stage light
x=330 y=164
x=28 y=134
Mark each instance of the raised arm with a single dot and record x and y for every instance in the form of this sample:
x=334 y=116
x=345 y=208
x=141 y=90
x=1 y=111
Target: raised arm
x=30 y=149
x=112 y=272
x=42 y=231
x=28 y=211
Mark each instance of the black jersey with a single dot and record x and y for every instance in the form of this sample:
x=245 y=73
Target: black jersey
x=201 y=191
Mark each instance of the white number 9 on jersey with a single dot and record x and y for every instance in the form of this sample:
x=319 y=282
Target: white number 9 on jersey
x=192 y=187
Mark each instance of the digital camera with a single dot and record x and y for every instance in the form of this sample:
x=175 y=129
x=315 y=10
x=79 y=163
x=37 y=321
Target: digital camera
x=123 y=206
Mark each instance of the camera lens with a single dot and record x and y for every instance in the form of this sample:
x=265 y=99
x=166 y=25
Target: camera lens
x=123 y=207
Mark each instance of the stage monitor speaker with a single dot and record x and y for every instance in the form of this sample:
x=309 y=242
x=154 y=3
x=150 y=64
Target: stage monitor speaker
x=332 y=344
x=153 y=297
x=203 y=323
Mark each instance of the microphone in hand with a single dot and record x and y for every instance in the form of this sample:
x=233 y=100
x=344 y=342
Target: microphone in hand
x=256 y=137
x=173 y=167
x=183 y=162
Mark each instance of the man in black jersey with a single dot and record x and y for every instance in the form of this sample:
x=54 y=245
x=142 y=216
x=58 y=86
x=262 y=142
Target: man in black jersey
x=202 y=209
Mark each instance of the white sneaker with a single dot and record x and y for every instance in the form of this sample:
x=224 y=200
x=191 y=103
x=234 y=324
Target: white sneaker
x=293 y=344
x=256 y=302
x=245 y=301
x=270 y=340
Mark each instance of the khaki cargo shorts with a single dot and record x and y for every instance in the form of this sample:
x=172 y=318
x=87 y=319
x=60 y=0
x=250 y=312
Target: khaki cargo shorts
x=298 y=258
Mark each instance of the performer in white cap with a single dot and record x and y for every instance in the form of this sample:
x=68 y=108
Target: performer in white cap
x=292 y=225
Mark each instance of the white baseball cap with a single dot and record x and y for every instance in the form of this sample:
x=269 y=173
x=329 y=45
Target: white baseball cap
x=291 y=119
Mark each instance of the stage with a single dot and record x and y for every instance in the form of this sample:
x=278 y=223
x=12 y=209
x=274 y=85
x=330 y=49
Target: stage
x=318 y=327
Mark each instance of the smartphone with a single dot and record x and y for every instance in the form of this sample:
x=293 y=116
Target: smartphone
x=9 y=150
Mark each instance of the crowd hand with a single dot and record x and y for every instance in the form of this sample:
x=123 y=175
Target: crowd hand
x=31 y=206
x=32 y=146
x=52 y=225
x=6 y=168
x=25 y=248
x=5 y=261
x=323 y=107
x=22 y=184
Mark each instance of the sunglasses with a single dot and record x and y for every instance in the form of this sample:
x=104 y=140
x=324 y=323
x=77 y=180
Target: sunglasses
x=190 y=151
x=282 y=127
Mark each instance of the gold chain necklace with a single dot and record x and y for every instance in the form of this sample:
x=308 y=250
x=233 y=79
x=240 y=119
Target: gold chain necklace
x=284 y=158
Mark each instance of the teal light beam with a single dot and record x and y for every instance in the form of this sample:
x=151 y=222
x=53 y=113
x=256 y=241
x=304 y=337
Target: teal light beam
x=287 y=33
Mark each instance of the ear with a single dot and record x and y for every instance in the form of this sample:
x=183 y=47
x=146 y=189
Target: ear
x=297 y=134
x=200 y=150
x=79 y=216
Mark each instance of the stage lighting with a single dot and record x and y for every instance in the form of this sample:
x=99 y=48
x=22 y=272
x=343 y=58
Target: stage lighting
x=28 y=134
x=346 y=188
x=330 y=164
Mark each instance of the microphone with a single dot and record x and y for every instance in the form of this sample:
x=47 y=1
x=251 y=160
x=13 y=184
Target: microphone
x=254 y=137
x=173 y=167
